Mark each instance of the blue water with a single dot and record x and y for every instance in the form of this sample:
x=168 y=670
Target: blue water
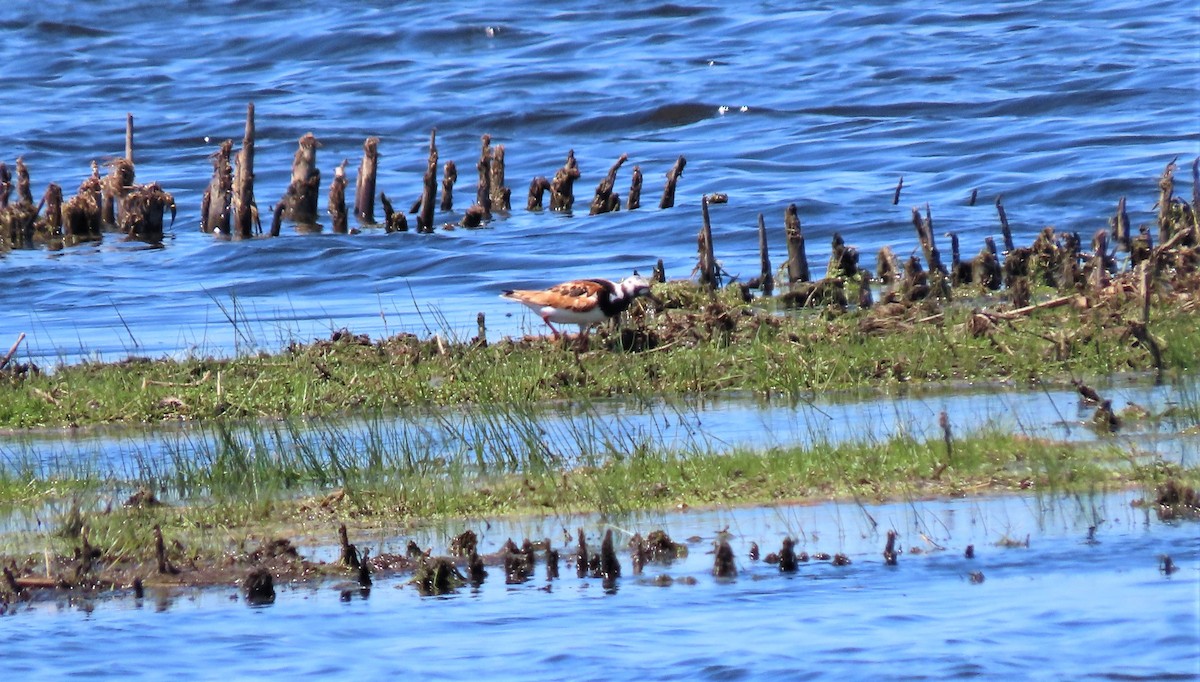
x=1062 y=108
x=1062 y=608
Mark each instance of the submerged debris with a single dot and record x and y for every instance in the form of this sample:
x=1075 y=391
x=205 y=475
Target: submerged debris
x=723 y=562
x=259 y=587
x=1175 y=500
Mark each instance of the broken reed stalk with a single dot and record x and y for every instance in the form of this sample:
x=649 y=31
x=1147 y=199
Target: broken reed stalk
x=1008 y=240
x=449 y=177
x=12 y=351
x=1166 y=188
x=337 y=200
x=1120 y=227
x=766 y=279
x=605 y=201
x=1196 y=194
x=218 y=196
x=635 y=190
x=610 y=565
x=562 y=187
x=707 y=263
x=933 y=258
x=896 y=196
x=129 y=137
x=245 y=211
x=364 y=184
x=429 y=191
x=537 y=192
x=483 y=189
x=349 y=551
x=299 y=202
x=501 y=194
x=676 y=172
x=581 y=556
x=974 y=195
x=797 y=264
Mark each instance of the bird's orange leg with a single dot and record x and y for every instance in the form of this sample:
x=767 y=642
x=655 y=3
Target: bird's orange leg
x=546 y=319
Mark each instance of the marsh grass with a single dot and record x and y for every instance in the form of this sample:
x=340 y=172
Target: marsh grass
x=230 y=485
x=697 y=344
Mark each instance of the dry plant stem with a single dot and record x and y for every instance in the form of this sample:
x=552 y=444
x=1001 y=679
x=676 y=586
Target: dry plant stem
x=1008 y=240
x=676 y=172
x=797 y=264
x=245 y=212
x=12 y=351
x=707 y=263
x=429 y=191
x=767 y=279
x=364 y=184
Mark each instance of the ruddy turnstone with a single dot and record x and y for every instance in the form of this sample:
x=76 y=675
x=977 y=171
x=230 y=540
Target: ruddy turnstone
x=582 y=301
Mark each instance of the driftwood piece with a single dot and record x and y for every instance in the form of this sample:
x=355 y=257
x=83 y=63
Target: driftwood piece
x=337 y=200
x=797 y=263
x=635 y=189
x=605 y=201
x=218 y=196
x=676 y=172
x=364 y=184
x=243 y=207
x=562 y=187
x=449 y=177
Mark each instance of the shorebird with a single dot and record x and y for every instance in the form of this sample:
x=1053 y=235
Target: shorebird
x=582 y=301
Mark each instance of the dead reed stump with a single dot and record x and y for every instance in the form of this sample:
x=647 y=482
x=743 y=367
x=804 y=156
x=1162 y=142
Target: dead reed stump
x=676 y=172
x=364 y=184
x=244 y=209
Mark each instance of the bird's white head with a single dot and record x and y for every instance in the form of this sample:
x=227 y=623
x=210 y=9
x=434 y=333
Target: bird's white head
x=634 y=286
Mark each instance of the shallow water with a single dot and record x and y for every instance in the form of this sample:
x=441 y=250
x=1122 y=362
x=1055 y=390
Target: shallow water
x=1062 y=108
x=1063 y=607
x=570 y=433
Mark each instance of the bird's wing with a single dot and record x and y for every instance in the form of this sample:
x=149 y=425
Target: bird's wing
x=578 y=295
